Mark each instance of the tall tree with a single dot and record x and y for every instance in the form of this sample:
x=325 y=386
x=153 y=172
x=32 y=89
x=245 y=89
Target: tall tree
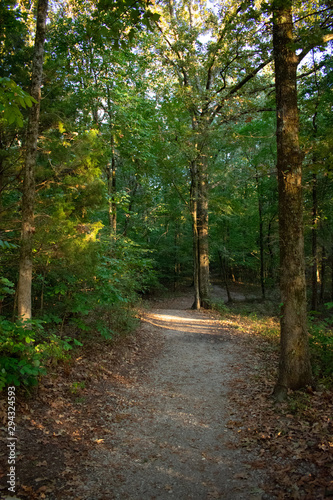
x=28 y=196
x=295 y=367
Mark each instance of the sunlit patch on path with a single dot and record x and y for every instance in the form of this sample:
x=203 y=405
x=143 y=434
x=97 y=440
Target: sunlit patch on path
x=185 y=321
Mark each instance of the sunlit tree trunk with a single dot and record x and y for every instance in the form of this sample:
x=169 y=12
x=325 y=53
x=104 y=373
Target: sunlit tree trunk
x=28 y=195
x=294 y=368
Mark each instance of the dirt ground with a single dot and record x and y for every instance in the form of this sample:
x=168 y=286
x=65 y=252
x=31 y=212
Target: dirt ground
x=160 y=416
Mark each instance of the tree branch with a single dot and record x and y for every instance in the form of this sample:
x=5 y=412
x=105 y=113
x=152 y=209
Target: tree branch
x=325 y=39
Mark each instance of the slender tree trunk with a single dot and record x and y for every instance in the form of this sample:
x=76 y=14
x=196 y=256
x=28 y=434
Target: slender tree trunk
x=332 y=274
x=194 y=214
x=111 y=176
x=261 y=238
x=176 y=256
x=28 y=197
x=224 y=275
x=294 y=369
x=323 y=275
x=314 y=270
x=111 y=169
x=271 y=273
x=199 y=211
x=203 y=234
x=130 y=206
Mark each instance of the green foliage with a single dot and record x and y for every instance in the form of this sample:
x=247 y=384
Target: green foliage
x=25 y=351
x=321 y=344
x=12 y=97
x=76 y=387
x=20 y=361
x=6 y=288
x=6 y=245
x=221 y=308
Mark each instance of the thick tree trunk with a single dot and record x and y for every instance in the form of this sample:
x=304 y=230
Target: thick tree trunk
x=28 y=197
x=294 y=369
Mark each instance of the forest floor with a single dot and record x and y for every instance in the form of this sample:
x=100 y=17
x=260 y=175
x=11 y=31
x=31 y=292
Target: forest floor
x=179 y=410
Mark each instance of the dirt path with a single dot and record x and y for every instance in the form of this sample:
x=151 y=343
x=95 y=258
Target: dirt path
x=170 y=437
x=179 y=410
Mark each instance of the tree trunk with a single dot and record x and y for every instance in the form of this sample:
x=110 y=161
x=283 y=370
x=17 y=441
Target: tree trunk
x=261 y=238
x=176 y=256
x=199 y=212
x=203 y=234
x=332 y=274
x=294 y=368
x=323 y=275
x=111 y=171
x=28 y=196
x=224 y=275
x=194 y=214
x=314 y=270
x=271 y=272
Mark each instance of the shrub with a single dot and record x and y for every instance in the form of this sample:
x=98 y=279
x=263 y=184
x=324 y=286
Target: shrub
x=24 y=351
x=321 y=344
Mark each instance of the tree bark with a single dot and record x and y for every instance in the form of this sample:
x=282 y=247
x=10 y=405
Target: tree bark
x=314 y=270
x=294 y=368
x=224 y=275
x=322 y=275
x=261 y=238
x=271 y=267
x=28 y=195
x=199 y=212
x=111 y=175
x=204 y=284
x=194 y=215
x=331 y=274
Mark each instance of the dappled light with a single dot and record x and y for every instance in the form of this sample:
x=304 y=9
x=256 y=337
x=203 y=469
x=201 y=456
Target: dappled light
x=169 y=321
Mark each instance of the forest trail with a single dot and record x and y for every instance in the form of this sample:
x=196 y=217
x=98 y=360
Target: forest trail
x=170 y=437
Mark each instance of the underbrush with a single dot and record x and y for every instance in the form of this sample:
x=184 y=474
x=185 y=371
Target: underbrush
x=89 y=302
x=26 y=349
x=250 y=318
x=321 y=345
